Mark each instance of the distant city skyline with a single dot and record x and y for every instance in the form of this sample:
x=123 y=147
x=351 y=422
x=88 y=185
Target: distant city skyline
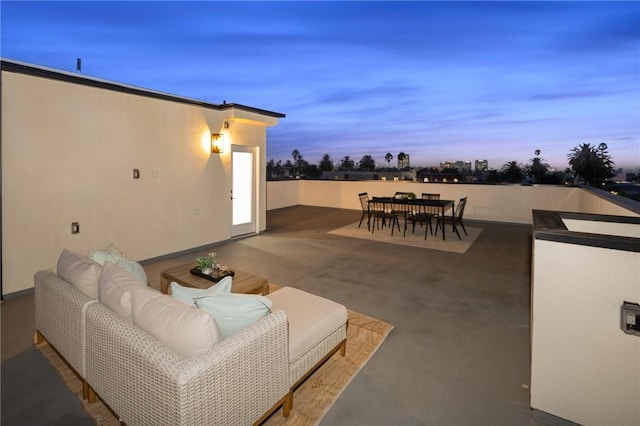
x=440 y=81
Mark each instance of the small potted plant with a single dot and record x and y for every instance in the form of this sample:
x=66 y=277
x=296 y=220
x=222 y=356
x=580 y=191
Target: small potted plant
x=204 y=264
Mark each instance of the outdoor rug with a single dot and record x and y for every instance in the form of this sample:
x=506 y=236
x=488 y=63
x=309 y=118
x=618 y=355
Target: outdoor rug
x=434 y=242
x=312 y=399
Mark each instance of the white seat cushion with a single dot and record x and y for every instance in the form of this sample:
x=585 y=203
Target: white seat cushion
x=311 y=318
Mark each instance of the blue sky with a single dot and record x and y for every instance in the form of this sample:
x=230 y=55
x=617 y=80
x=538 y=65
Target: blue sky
x=440 y=81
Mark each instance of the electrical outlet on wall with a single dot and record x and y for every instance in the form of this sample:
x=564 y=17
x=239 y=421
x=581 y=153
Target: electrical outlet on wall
x=630 y=318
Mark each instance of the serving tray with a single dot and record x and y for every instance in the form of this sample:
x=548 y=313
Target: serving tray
x=214 y=278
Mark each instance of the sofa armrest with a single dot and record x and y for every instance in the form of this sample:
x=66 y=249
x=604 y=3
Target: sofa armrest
x=147 y=383
x=60 y=316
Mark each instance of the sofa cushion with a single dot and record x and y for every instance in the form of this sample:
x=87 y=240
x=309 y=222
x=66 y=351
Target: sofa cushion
x=112 y=254
x=115 y=289
x=187 y=294
x=187 y=331
x=234 y=312
x=311 y=318
x=80 y=271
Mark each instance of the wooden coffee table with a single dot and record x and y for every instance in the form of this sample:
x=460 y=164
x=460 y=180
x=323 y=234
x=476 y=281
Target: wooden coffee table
x=242 y=282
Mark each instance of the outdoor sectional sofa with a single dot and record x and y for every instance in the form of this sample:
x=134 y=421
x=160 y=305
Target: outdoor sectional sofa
x=239 y=380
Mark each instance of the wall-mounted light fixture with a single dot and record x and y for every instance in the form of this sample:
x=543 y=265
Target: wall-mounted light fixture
x=226 y=124
x=217 y=140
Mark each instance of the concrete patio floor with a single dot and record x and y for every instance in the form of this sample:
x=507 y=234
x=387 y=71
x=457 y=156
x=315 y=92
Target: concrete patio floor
x=459 y=353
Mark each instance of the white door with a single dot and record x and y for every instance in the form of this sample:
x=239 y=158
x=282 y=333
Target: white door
x=243 y=193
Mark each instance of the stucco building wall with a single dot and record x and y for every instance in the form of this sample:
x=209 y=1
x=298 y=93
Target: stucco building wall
x=68 y=155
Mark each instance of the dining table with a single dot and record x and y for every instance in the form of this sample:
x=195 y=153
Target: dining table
x=443 y=205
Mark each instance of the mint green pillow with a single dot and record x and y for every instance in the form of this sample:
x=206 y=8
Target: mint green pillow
x=233 y=312
x=112 y=254
x=101 y=256
x=187 y=294
x=133 y=267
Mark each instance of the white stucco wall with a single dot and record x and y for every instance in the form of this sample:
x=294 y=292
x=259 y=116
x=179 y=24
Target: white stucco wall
x=584 y=368
x=497 y=203
x=68 y=154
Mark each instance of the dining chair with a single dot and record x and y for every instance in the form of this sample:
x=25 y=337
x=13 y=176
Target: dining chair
x=431 y=212
x=424 y=214
x=380 y=212
x=364 y=203
x=456 y=219
x=400 y=210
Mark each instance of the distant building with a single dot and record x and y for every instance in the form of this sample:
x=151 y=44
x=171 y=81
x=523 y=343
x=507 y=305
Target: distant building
x=404 y=163
x=463 y=166
x=371 y=175
x=481 y=165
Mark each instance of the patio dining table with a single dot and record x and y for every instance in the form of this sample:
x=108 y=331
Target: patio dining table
x=443 y=205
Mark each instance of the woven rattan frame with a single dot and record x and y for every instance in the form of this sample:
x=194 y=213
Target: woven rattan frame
x=60 y=317
x=144 y=382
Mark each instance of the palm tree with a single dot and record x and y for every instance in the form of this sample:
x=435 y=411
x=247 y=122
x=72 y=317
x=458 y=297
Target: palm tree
x=537 y=168
x=326 y=164
x=367 y=163
x=388 y=159
x=347 y=163
x=297 y=161
x=512 y=172
x=591 y=164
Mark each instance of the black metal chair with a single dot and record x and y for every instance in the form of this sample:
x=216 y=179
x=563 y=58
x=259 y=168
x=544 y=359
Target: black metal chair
x=364 y=203
x=424 y=214
x=456 y=219
x=380 y=211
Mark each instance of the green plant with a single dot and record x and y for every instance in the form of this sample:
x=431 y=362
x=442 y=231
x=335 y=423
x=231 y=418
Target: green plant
x=411 y=196
x=204 y=262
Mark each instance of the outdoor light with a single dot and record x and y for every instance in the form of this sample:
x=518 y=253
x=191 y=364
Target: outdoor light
x=216 y=143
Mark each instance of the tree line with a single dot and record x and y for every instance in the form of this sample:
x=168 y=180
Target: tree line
x=587 y=163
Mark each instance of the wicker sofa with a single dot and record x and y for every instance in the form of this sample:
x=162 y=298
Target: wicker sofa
x=240 y=380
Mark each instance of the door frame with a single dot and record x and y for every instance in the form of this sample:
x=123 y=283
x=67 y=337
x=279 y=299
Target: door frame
x=238 y=230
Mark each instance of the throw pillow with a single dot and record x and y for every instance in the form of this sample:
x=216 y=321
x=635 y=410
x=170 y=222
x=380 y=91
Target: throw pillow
x=115 y=287
x=233 y=312
x=134 y=267
x=187 y=294
x=79 y=271
x=101 y=256
x=187 y=331
x=112 y=254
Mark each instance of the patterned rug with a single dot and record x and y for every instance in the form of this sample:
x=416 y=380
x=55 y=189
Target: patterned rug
x=311 y=400
x=413 y=239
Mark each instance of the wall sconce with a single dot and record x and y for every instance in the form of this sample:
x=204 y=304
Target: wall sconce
x=217 y=143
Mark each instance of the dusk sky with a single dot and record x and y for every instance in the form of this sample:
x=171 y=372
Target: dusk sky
x=440 y=81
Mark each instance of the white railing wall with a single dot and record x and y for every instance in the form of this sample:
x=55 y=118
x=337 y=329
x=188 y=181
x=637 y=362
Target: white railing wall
x=495 y=203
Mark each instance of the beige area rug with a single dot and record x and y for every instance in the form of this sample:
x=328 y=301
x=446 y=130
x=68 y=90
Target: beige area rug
x=311 y=400
x=434 y=242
